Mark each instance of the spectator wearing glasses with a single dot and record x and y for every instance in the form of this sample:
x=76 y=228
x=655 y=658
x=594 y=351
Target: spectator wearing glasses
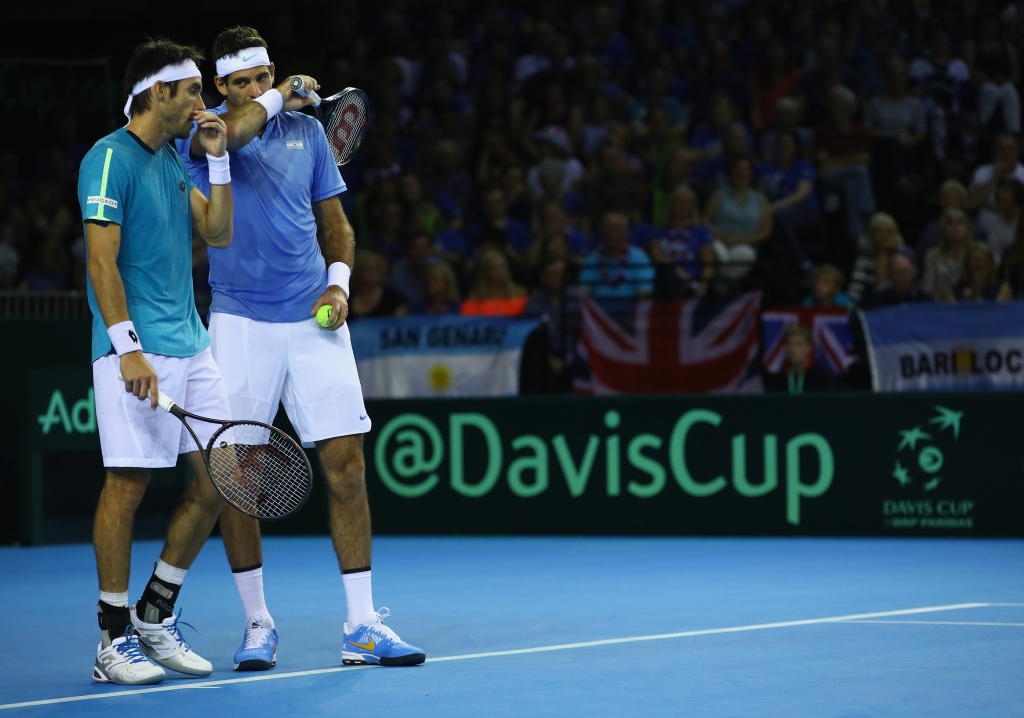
x=617 y=269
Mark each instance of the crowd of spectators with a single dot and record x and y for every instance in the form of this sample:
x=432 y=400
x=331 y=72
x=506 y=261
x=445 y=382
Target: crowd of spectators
x=824 y=151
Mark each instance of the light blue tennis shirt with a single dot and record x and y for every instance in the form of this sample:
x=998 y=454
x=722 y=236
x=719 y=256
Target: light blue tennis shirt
x=273 y=271
x=146 y=192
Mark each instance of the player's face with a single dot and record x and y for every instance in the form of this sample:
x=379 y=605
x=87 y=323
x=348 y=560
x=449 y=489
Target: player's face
x=246 y=85
x=180 y=109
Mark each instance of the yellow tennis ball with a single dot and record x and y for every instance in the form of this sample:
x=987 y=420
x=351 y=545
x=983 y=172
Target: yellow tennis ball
x=323 y=316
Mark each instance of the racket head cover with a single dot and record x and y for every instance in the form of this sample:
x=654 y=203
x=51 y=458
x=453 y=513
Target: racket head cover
x=347 y=123
x=259 y=469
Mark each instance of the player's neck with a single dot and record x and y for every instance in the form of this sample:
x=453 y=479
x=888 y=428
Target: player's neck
x=147 y=128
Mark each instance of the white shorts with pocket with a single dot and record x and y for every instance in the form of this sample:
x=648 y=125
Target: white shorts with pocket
x=311 y=370
x=132 y=435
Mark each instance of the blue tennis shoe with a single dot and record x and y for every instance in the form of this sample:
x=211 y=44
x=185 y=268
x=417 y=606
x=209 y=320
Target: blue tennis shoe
x=373 y=642
x=259 y=646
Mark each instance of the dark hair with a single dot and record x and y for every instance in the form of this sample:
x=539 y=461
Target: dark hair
x=148 y=59
x=731 y=162
x=798 y=144
x=237 y=38
x=1016 y=187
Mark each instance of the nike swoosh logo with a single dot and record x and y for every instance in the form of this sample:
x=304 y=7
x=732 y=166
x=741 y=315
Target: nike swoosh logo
x=362 y=418
x=246 y=59
x=368 y=647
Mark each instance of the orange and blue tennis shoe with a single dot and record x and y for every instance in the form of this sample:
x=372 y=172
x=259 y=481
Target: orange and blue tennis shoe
x=373 y=642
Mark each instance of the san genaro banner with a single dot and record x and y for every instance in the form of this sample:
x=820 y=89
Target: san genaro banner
x=439 y=356
x=929 y=347
x=865 y=464
x=920 y=464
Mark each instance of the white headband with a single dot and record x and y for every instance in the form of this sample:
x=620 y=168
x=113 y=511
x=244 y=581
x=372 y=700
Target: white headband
x=168 y=73
x=243 y=60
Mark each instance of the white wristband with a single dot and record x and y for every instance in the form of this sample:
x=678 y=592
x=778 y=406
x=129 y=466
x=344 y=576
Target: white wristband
x=124 y=338
x=272 y=102
x=220 y=169
x=337 y=276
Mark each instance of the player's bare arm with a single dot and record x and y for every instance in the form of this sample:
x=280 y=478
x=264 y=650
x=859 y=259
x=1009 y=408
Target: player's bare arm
x=212 y=218
x=247 y=120
x=104 y=243
x=338 y=244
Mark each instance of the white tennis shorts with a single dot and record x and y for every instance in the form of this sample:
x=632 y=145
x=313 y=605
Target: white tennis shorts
x=134 y=435
x=310 y=370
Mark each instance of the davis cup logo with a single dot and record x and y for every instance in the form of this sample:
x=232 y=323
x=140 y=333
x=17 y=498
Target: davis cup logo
x=919 y=454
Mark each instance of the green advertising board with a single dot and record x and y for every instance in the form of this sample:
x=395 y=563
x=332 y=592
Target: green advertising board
x=838 y=464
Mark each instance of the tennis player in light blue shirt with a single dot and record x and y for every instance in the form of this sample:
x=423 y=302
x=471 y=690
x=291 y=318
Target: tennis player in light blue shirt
x=292 y=254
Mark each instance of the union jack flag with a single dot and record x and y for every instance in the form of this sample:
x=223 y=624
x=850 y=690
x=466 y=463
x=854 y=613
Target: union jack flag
x=697 y=346
x=833 y=342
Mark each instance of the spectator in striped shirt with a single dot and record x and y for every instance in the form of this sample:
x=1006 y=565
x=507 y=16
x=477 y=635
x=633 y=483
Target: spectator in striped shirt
x=877 y=249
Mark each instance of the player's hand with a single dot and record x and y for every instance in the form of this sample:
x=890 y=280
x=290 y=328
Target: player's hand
x=334 y=297
x=139 y=377
x=212 y=133
x=292 y=101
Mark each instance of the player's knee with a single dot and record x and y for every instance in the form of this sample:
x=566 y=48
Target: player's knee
x=346 y=478
x=126 y=486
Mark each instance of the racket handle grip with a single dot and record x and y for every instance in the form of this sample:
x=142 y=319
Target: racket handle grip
x=162 y=400
x=299 y=88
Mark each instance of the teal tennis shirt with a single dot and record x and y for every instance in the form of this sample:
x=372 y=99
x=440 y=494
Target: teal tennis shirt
x=123 y=181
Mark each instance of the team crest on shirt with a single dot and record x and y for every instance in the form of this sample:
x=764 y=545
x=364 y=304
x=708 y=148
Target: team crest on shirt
x=181 y=186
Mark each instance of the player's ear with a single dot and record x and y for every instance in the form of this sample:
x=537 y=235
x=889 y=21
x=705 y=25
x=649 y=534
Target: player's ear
x=222 y=87
x=271 y=74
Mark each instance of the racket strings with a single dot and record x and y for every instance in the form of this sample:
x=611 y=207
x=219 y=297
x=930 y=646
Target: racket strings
x=260 y=470
x=345 y=125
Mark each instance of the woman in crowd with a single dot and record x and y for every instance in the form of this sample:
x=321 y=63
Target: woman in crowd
x=685 y=253
x=951 y=194
x=546 y=302
x=740 y=218
x=442 y=291
x=370 y=296
x=827 y=284
x=994 y=66
x=494 y=293
x=944 y=264
x=1000 y=227
x=979 y=280
x=799 y=374
x=877 y=248
x=788 y=182
x=897 y=123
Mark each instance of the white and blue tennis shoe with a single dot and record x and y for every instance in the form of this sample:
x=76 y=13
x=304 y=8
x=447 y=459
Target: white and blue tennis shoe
x=373 y=642
x=259 y=646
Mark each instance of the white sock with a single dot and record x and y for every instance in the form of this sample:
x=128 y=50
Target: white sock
x=250 y=590
x=115 y=599
x=358 y=596
x=170 y=574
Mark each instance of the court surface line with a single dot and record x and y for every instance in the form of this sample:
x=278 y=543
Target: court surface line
x=513 y=652
x=942 y=623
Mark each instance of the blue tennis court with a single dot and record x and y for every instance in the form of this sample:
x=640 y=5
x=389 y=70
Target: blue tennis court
x=563 y=626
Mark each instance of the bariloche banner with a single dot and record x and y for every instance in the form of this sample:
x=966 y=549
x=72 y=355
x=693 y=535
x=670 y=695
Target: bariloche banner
x=928 y=347
x=429 y=356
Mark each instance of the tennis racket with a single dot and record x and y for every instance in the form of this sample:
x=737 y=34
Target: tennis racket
x=257 y=468
x=347 y=116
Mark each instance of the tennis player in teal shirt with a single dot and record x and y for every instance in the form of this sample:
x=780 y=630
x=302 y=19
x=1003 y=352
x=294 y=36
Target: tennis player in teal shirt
x=140 y=210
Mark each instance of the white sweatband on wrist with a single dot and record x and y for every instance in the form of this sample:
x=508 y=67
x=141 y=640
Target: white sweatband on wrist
x=272 y=102
x=220 y=171
x=338 y=275
x=124 y=338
